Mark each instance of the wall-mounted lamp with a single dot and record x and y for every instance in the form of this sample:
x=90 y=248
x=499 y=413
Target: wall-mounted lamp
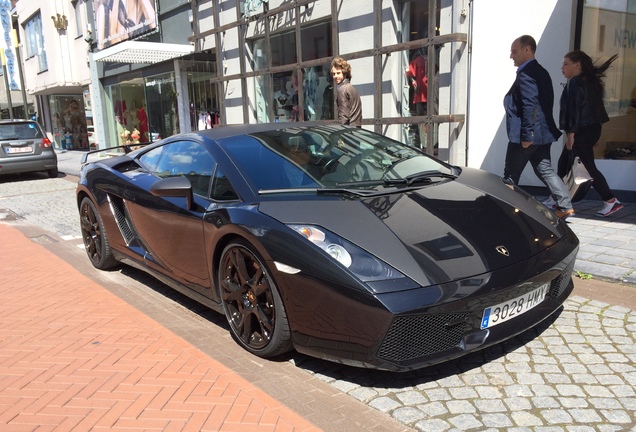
x=88 y=34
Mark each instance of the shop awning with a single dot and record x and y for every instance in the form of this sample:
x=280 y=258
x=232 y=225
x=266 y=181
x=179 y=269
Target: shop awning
x=142 y=52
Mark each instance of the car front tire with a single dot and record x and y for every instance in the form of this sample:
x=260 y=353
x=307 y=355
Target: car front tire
x=252 y=303
x=94 y=236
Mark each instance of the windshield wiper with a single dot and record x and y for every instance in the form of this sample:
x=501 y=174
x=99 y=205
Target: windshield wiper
x=321 y=191
x=425 y=177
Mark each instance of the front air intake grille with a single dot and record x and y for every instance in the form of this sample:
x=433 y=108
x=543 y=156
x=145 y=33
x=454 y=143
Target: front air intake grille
x=412 y=337
x=560 y=283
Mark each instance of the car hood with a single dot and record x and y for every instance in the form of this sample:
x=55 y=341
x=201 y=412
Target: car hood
x=435 y=234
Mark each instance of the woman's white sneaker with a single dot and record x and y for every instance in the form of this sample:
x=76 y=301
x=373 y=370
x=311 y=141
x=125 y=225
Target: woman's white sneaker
x=610 y=207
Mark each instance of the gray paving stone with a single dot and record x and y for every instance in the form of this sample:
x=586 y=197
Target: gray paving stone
x=518 y=403
x=496 y=421
x=466 y=422
x=558 y=378
x=384 y=404
x=583 y=378
x=608 y=403
x=438 y=395
x=580 y=429
x=411 y=397
x=434 y=425
x=434 y=409
x=544 y=390
x=363 y=393
x=566 y=402
x=570 y=390
x=408 y=415
x=617 y=416
x=575 y=368
x=463 y=393
x=630 y=279
x=490 y=405
x=609 y=380
x=557 y=416
x=460 y=406
x=526 y=419
x=545 y=402
x=600 y=270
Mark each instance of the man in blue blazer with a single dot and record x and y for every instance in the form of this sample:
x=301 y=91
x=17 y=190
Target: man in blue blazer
x=530 y=125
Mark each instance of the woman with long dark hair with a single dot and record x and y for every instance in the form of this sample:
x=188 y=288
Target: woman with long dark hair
x=581 y=118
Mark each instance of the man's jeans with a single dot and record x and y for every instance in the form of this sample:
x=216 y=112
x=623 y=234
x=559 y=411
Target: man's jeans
x=539 y=157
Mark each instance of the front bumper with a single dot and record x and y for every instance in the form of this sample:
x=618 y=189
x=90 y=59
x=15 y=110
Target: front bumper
x=430 y=325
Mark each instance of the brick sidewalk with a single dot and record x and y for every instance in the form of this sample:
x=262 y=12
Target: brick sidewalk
x=75 y=357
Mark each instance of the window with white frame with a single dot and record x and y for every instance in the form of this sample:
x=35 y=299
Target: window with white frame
x=35 y=41
x=79 y=25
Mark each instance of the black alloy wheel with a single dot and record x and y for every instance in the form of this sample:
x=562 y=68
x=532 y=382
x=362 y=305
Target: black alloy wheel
x=251 y=302
x=94 y=236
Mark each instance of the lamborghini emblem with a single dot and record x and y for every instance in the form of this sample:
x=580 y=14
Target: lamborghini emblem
x=502 y=250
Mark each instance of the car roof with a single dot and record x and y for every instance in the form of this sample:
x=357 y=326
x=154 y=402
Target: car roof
x=234 y=130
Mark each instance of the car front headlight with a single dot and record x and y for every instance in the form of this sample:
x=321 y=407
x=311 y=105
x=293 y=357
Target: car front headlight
x=360 y=262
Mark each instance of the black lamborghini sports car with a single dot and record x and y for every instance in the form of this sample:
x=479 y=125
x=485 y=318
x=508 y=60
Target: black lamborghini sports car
x=331 y=240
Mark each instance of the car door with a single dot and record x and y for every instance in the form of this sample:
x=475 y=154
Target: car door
x=171 y=232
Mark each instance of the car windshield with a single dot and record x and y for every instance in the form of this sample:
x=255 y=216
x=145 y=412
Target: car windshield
x=329 y=156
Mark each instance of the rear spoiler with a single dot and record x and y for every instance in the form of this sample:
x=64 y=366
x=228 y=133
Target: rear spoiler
x=127 y=148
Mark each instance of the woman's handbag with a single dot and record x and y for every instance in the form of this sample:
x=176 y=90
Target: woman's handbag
x=578 y=180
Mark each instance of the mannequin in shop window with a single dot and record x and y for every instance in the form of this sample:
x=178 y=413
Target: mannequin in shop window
x=417 y=76
x=283 y=101
x=133 y=115
x=142 y=118
x=327 y=95
x=121 y=132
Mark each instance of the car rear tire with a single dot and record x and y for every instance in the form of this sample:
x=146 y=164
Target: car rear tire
x=53 y=172
x=95 y=238
x=251 y=302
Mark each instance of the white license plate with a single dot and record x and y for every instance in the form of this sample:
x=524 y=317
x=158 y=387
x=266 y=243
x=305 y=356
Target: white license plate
x=18 y=150
x=509 y=309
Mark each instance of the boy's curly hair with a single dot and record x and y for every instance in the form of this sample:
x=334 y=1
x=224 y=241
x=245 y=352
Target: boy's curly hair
x=341 y=63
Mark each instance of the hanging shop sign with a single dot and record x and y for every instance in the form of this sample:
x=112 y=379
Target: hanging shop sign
x=7 y=45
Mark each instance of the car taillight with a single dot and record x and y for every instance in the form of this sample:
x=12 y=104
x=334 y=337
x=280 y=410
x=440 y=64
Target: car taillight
x=46 y=143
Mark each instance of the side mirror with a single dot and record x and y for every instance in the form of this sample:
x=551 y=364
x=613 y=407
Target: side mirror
x=179 y=187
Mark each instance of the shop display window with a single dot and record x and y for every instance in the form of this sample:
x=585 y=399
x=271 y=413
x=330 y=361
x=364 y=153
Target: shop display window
x=69 y=122
x=608 y=28
x=285 y=88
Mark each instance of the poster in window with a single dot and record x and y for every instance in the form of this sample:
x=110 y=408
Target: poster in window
x=120 y=20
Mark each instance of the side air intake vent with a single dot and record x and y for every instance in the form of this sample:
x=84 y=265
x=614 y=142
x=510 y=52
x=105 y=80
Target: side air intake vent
x=121 y=216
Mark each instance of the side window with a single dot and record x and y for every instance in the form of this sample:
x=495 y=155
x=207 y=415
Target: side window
x=221 y=187
x=182 y=158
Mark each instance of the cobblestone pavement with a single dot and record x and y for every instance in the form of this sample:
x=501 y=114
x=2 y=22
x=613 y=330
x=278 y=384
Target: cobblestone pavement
x=576 y=372
x=608 y=245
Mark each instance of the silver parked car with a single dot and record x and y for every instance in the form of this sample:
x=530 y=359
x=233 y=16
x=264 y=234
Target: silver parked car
x=24 y=147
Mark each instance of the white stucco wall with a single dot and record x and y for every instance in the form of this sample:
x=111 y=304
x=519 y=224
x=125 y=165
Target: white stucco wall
x=66 y=50
x=496 y=23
